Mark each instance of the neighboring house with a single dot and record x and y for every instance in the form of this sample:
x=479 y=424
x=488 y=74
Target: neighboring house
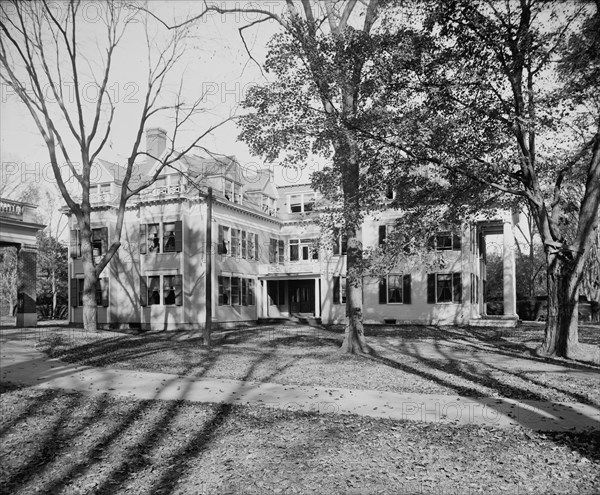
x=269 y=259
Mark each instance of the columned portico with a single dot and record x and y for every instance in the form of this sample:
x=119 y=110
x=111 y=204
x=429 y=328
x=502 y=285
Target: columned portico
x=502 y=227
x=508 y=272
x=18 y=229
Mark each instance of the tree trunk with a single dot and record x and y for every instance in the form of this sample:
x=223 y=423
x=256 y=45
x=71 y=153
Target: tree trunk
x=561 y=334
x=354 y=339
x=90 y=310
x=54 y=295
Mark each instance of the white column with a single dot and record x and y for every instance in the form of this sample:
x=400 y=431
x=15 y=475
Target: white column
x=508 y=273
x=265 y=299
x=317 y=299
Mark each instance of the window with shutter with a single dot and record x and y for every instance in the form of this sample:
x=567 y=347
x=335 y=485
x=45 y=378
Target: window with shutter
x=382 y=235
x=281 y=251
x=383 y=290
x=75 y=244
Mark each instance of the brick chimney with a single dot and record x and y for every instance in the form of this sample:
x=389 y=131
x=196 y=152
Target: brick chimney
x=156 y=141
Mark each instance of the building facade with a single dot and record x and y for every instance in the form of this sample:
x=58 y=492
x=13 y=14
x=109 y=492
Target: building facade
x=269 y=258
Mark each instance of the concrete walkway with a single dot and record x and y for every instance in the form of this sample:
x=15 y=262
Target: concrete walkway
x=21 y=363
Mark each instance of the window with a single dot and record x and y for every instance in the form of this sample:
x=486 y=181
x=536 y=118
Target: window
x=445 y=241
x=390 y=192
x=301 y=202
x=340 y=245
x=224 y=291
x=150 y=237
x=268 y=205
x=153 y=290
x=244 y=245
x=76 y=287
x=294 y=249
x=304 y=249
x=236 y=291
x=395 y=289
x=152 y=293
x=172 y=289
x=75 y=246
x=235 y=243
x=295 y=203
x=169 y=237
x=339 y=290
x=232 y=191
x=444 y=288
x=99 y=242
x=224 y=240
x=153 y=238
x=273 y=251
x=252 y=246
x=281 y=251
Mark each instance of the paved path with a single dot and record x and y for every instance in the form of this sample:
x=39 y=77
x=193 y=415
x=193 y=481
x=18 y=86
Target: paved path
x=21 y=363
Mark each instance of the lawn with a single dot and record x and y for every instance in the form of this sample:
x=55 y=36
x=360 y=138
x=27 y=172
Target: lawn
x=65 y=443
x=469 y=362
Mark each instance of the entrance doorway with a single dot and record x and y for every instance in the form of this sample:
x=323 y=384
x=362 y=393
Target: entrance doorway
x=302 y=296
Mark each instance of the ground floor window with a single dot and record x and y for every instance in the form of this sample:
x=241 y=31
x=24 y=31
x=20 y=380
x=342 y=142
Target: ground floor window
x=444 y=288
x=167 y=293
x=236 y=291
x=395 y=289
x=102 y=296
x=339 y=290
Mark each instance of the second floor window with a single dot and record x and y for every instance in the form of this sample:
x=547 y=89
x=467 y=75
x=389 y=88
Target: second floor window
x=157 y=238
x=301 y=202
x=445 y=241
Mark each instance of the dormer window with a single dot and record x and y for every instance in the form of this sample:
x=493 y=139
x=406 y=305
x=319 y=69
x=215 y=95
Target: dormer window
x=232 y=191
x=301 y=202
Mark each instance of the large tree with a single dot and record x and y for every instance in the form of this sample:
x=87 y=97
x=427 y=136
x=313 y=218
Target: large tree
x=59 y=59
x=512 y=105
x=314 y=105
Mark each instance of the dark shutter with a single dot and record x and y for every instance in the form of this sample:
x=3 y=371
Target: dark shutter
x=74 y=294
x=456 y=242
x=104 y=239
x=256 y=248
x=382 y=234
x=104 y=286
x=143 y=241
x=336 y=290
x=431 y=288
x=456 y=287
x=178 y=285
x=431 y=242
x=75 y=244
x=143 y=291
x=178 y=236
x=383 y=290
x=336 y=246
x=406 y=296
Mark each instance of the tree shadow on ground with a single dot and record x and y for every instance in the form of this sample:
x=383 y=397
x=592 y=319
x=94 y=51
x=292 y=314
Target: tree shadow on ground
x=111 y=431
x=469 y=373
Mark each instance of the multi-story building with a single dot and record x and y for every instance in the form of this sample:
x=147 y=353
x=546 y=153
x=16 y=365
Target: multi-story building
x=269 y=258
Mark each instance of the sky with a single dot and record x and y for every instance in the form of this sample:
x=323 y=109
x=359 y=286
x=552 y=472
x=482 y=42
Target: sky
x=215 y=64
